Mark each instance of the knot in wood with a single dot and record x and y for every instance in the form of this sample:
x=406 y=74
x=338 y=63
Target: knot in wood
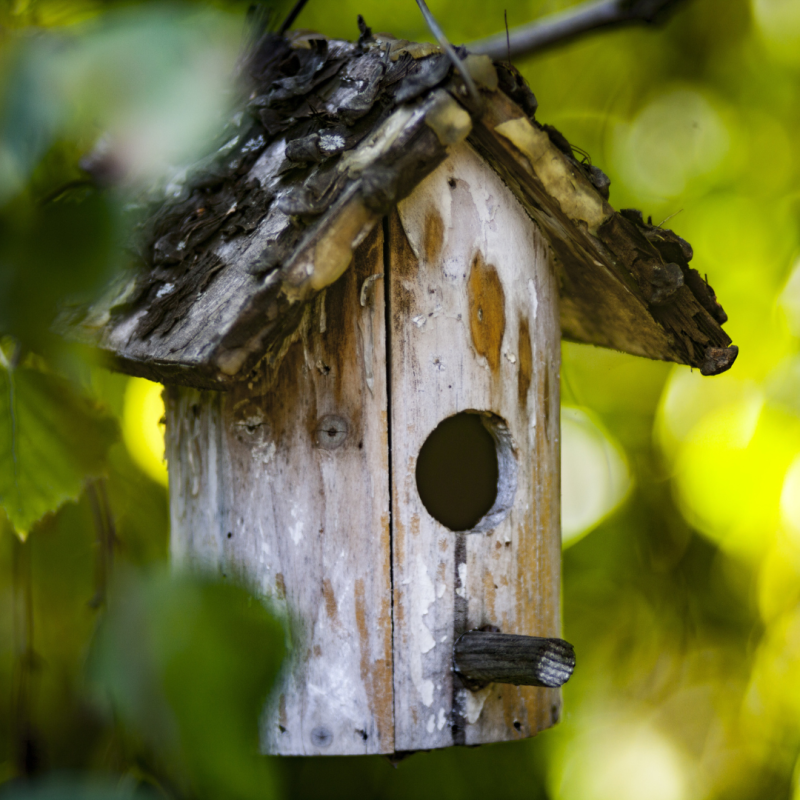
x=332 y=431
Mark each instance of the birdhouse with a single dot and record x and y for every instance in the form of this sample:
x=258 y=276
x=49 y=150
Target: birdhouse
x=356 y=306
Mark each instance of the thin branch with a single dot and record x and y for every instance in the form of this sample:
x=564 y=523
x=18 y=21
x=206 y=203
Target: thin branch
x=567 y=25
x=106 y=538
x=444 y=43
x=293 y=15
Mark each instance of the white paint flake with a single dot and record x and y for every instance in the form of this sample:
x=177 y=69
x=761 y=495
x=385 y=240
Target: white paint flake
x=462 y=579
x=296 y=530
x=426 y=593
x=426 y=640
x=254 y=144
x=264 y=451
x=442 y=719
x=474 y=704
x=431 y=724
x=165 y=290
x=534 y=298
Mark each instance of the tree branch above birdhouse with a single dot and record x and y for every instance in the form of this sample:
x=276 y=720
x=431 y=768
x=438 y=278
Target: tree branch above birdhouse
x=329 y=137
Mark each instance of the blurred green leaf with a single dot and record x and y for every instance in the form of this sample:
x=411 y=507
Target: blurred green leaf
x=74 y=787
x=48 y=254
x=51 y=440
x=187 y=665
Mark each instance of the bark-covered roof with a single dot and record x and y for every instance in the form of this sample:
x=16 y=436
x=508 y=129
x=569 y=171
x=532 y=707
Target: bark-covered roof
x=331 y=136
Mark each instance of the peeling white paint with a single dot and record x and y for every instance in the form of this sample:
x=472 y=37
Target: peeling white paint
x=431 y=724
x=419 y=320
x=253 y=144
x=296 y=530
x=442 y=719
x=426 y=593
x=534 y=297
x=462 y=579
x=474 y=704
x=426 y=640
x=165 y=290
x=264 y=451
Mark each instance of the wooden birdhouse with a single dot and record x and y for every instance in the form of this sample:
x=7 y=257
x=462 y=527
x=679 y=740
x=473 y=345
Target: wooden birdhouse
x=356 y=306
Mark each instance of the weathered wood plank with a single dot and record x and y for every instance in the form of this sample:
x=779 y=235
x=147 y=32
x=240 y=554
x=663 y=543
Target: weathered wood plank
x=292 y=496
x=193 y=449
x=474 y=326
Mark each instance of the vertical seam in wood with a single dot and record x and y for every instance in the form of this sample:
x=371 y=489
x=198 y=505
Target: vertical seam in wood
x=387 y=317
x=460 y=609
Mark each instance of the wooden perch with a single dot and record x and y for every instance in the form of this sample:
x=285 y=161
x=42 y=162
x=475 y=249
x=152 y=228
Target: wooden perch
x=483 y=657
x=564 y=26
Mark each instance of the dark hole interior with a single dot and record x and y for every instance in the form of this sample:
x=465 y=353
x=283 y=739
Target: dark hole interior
x=457 y=472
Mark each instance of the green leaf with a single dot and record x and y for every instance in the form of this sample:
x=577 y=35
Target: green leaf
x=187 y=664
x=51 y=440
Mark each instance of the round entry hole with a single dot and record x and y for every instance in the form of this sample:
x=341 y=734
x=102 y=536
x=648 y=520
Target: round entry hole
x=466 y=472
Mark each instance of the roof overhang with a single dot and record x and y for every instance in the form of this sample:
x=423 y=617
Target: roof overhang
x=332 y=136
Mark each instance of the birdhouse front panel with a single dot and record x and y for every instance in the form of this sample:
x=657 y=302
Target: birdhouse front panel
x=473 y=304
x=311 y=482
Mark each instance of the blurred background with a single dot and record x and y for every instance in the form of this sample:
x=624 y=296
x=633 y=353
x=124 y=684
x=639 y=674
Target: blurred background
x=681 y=496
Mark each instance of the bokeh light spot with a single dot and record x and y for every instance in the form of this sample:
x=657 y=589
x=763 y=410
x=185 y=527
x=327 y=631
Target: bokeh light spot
x=730 y=473
x=778 y=22
x=143 y=429
x=625 y=762
x=678 y=137
x=594 y=475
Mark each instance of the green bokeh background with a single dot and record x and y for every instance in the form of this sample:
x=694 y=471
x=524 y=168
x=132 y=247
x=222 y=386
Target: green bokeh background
x=681 y=587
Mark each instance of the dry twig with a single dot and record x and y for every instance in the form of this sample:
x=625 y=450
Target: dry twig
x=564 y=26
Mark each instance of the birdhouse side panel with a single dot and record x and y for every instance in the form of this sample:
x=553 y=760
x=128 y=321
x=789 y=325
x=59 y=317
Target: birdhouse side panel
x=304 y=515
x=474 y=328
x=194 y=452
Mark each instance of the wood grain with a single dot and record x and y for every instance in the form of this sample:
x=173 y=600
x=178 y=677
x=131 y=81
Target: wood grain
x=474 y=326
x=264 y=492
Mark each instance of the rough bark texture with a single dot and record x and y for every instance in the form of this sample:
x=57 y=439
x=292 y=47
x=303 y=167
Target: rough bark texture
x=624 y=283
x=330 y=137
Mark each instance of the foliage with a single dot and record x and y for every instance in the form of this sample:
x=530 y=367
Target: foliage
x=184 y=662
x=681 y=580
x=50 y=441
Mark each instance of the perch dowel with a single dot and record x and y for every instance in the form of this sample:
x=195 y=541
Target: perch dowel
x=483 y=657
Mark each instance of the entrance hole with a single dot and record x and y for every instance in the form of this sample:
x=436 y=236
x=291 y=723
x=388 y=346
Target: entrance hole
x=466 y=472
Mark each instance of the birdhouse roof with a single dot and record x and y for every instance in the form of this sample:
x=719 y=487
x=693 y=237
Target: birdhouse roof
x=330 y=136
